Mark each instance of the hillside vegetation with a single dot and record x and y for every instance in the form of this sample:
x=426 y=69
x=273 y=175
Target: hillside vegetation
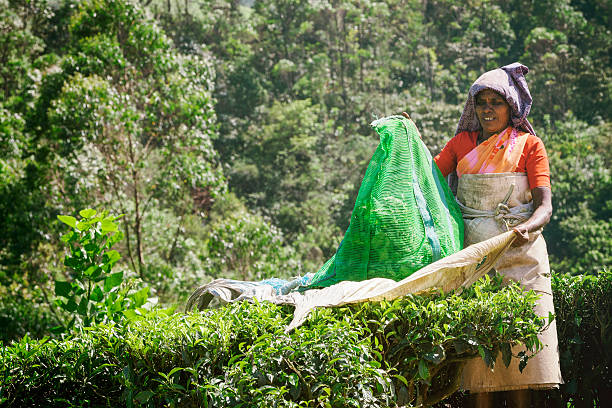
x=229 y=139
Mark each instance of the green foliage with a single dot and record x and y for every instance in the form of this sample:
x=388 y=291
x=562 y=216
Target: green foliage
x=298 y=82
x=24 y=312
x=21 y=24
x=583 y=310
x=100 y=105
x=117 y=116
x=571 y=77
x=583 y=305
x=20 y=43
x=240 y=354
x=176 y=258
x=227 y=357
x=579 y=233
x=242 y=245
x=281 y=172
x=95 y=293
x=133 y=119
x=426 y=339
x=386 y=353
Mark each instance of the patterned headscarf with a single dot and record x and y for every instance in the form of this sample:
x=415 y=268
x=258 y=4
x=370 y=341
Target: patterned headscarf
x=508 y=81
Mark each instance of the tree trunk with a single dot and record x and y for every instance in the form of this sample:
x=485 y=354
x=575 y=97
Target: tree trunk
x=137 y=211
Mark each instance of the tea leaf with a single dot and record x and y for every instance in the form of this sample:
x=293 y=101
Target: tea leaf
x=523 y=360
x=82 y=308
x=87 y=213
x=67 y=219
x=108 y=226
x=63 y=288
x=111 y=257
x=144 y=396
x=140 y=297
x=70 y=306
x=113 y=281
x=423 y=370
x=506 y=351
x=132 y=315
x=487 y=356
x=96 y=294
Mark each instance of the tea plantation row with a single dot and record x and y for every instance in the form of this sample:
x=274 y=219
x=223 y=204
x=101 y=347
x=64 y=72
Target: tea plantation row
x=380 y=355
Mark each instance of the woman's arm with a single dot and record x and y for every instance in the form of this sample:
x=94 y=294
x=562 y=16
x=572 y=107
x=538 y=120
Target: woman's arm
x=542 y=201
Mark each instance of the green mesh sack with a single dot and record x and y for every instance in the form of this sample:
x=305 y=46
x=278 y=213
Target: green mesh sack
x=405 y=216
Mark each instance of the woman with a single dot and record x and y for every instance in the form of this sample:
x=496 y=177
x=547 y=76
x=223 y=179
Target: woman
x=504 y=183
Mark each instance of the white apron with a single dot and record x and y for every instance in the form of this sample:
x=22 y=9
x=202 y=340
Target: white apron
x=492 y=204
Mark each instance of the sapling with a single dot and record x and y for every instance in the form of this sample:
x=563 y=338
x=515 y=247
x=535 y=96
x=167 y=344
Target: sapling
x=95 y=293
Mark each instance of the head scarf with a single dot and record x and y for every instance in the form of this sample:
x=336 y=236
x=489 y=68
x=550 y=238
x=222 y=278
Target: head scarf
x=508 y=81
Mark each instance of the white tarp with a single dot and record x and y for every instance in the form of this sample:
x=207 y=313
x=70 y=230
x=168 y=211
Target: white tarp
x=452 y=272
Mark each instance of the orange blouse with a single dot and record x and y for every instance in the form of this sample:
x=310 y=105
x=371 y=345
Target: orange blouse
x=533 y=160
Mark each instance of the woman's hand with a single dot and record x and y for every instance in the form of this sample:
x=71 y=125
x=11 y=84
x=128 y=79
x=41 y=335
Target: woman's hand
x=522 y=235
x=542 y=201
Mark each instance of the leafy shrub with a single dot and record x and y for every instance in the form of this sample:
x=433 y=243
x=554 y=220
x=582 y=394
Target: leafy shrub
x=580 y=231
x=240 y=355
x=175 y=261
x=403 y=352
x=227 y=357
x=583 y=308
x=243 y=245
x=95 y=294
x=427 y=339
x=583 y=305
x=116 y=115
x=24 y=312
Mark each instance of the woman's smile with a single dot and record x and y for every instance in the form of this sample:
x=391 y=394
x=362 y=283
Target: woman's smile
x=493 y=112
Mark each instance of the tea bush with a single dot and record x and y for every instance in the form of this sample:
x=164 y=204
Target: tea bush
x=426 y=340
x=226 y=357
x=583 y=305
x=373 y=354
x=24 y=313
x=376 y=354
x=583 y=308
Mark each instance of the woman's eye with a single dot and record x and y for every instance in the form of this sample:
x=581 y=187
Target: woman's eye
x=495 y=103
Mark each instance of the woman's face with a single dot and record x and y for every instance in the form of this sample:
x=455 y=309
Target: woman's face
x=493 y=112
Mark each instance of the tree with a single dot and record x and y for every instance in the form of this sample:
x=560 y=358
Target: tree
x=118 y=119
x=133 y=120
x=579 y=233
x=21 y=206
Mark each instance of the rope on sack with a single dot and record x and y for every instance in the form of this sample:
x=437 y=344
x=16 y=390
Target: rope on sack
x=505 y=216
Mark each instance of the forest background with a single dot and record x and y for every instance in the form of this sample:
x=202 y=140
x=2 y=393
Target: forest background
x=233 y=135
